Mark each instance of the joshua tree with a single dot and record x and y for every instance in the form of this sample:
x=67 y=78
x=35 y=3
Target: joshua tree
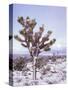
x=34 y=41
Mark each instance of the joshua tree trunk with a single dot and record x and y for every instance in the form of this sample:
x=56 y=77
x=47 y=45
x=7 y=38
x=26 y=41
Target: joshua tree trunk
x=34 y=68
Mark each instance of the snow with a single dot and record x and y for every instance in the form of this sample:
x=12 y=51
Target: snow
x=55 y=75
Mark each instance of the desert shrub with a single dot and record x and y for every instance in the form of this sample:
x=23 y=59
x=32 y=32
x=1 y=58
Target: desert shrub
x=40 y=62
x=19 y=65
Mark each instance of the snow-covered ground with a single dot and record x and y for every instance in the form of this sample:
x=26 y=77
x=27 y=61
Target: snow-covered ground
x=55 y=73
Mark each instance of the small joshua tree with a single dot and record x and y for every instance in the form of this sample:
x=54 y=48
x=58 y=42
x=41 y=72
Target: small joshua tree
x=33 y=40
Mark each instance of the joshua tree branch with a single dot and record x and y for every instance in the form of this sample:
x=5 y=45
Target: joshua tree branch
x=47 y=44
x=22 y=32
x=46 y=37
x=19 y=39
x=21 y=20
x=23 y=44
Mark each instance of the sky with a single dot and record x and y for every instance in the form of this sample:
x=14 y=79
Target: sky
x=53 y=17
